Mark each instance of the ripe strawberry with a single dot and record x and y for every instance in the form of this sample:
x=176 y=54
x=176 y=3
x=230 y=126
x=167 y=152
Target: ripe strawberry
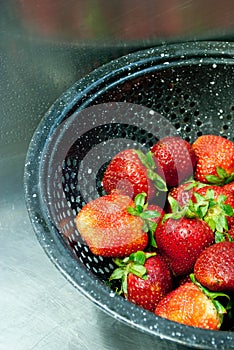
x=115 y=226
x=180 y=241
x=230 y=237
x=229 y=187
x=214 y=268
x=215 y=159
x=145 y=279
x=188 y=304
x=174 y=158
x=131 y=172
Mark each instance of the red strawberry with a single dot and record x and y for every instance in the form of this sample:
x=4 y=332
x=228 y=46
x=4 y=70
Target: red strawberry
x=131 y=172
x=145 y=277
x=189 y=305
x=174 y=158
x=181 y=241
x=229 y=187
x=107 y=227
x=115 y=226
x=215 y=159
x=230 y=234
x=214 y=268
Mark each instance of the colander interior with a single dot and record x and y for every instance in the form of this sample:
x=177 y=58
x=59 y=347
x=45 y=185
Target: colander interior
x=191 y=87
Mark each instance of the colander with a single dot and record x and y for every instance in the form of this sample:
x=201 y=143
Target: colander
x=185 y=89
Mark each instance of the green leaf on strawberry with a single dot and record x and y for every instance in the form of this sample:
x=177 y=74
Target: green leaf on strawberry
x=146 y=215
x=139 y=257
x=211 y=210
x=140 y=201
x=148 y=162
x=223 y=236
x=222 y=177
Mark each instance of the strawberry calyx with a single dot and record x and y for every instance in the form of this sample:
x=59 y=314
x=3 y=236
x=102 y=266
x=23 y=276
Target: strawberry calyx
x=140 y=209
x=178 y=211
x=222 y=177
x=192 y=183
x=213 y=211
x=222 y=237
x=213 y=297
x=134 y=263
x=148 y=162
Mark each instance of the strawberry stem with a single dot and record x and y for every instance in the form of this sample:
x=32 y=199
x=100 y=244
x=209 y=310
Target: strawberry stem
x=178 y=212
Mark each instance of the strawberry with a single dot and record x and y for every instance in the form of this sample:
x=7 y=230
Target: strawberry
x=145 y=278
x=215 y=159
x=180 y=240
x=214 y=268
x=131 y=172
x=174 y=158
x=230 y=236
x=115 y=226
x=192 y=305
x=229 y=187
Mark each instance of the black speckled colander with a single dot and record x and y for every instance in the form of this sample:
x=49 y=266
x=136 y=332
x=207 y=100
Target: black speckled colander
x=185 y=89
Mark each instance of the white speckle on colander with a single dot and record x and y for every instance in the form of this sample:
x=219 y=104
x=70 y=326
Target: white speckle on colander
x=214 y=65
x=86 y=249
x=34 y=195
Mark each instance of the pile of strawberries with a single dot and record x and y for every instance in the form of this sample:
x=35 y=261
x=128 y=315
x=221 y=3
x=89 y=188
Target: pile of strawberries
x=167 y=220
